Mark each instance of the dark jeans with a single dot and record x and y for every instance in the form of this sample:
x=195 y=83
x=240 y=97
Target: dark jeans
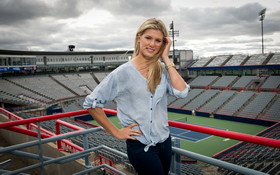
x=156 y=161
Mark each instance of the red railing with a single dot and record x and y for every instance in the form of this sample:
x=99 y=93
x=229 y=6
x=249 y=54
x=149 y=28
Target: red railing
x=228 y=134
x=65 y=145
x=222 y=133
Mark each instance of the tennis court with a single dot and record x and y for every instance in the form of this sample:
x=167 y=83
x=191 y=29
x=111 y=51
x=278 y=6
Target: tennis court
x=187 y=134
x=203 y=143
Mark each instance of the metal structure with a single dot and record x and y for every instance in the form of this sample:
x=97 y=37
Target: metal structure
x=173 y=33
x=85 y=151
x=262 y=15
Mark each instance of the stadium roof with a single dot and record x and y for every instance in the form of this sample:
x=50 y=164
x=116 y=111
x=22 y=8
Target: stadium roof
x=17 y=52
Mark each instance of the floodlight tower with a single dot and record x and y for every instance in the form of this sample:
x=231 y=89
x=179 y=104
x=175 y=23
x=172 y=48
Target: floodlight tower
x=173 y=33
x=262 y=15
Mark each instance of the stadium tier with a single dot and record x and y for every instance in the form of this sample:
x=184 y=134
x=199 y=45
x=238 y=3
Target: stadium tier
x=257 y=105
x=273 y=113
x=271 y=82
x=203 y=81
x=257 y=59
x=236 y=60
x=239 y=88
x=179 y=103
x=217 y=101
x=202 y=62
x=236 y=103
x=201 y=100
x=219 y=60
x=243 y=82
x=224 y=81
x=275 y=59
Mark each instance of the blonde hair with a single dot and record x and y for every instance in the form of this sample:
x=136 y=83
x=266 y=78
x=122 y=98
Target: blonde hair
x=155 y=69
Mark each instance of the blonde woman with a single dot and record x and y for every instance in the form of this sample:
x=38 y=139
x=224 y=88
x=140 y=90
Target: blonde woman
x=140 y=87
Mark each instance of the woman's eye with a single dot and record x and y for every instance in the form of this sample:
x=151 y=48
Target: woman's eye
x=159 y=41
x=147 y=37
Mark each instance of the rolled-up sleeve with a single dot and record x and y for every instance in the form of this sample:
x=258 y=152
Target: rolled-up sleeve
x=104 y=92
x=180 y=94
x=174 y=92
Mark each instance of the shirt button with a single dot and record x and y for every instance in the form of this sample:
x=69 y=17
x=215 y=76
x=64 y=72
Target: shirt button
x=151 y=108
x=151 y=96
x=151 y=121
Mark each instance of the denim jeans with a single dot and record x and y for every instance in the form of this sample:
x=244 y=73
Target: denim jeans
x=156 y=161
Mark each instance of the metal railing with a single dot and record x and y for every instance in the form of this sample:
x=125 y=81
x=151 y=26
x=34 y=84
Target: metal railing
x=85 y=151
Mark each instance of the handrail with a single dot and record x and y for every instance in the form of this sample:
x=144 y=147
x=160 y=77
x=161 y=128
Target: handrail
x=218 y=132
x=64 y=141
x=228 y=134
x=47 y=117
x=216 y=162
x=179 y=151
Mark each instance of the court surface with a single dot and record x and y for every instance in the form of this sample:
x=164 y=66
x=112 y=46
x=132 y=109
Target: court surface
x=188 y=135
x=199 y=142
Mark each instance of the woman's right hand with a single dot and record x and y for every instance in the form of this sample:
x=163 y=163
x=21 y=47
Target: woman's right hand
x=127 y=132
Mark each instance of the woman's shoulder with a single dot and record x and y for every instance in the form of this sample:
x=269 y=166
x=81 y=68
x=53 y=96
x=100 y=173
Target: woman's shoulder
x=122 y=67
x=121 y=71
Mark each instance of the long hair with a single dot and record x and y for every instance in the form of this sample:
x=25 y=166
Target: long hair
x=155 y=69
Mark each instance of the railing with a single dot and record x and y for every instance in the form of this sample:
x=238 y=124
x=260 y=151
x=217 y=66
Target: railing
x=212 y=131
x=85 y=152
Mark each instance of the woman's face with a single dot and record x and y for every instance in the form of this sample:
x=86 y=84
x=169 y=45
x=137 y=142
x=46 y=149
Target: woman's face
x=150 y=42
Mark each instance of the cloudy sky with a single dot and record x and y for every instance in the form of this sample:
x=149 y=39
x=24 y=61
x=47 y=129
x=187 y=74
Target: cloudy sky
x=208 y=27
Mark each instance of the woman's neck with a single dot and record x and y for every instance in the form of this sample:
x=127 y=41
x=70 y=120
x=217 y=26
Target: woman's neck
x=142 y=65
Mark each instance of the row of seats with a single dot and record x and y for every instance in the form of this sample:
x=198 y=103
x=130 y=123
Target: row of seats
x=237 y=60
x=257 y=105
x=41 y=88
x=236 y=103
x=217 y=101
x=273 y=112
x=45 y=89
x=18 y=90
x=10 y=98
x=230 y=102
x=258 y=157
x=42 y=85
x=235 y=82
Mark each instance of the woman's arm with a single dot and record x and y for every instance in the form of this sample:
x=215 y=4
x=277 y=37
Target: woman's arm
x=125 y=133
x=177 y=81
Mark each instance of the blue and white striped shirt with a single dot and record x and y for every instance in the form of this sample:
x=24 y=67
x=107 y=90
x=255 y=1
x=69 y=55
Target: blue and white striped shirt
x=135 y=103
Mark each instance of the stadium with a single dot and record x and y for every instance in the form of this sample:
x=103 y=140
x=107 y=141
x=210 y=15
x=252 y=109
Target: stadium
x=227 y=125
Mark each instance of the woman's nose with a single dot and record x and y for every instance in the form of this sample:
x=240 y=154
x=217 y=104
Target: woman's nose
x=152 y=43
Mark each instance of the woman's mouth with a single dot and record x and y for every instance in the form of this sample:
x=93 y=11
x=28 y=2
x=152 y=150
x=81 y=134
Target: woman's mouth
x=151 y=50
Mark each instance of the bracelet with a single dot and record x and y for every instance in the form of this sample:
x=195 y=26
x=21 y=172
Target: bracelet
x=170 y=65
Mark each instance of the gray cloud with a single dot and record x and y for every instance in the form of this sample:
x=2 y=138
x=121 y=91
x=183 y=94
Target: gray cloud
x=52 y=25
x=135 y=7
x=226 y=21
x=13 y=11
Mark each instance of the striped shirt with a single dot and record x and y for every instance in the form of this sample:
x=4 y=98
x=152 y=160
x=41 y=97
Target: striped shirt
x=135 y=103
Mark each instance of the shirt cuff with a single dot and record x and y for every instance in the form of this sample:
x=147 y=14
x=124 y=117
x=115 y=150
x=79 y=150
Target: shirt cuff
x=91 y=103
x=181 y=94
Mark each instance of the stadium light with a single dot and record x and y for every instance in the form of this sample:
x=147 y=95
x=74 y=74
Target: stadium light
x=174 y=33
x=262 y=15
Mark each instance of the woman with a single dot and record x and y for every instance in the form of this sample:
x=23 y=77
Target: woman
x=140 y=87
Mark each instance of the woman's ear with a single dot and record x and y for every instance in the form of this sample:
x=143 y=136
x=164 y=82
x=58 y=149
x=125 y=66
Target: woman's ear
x=138 y=37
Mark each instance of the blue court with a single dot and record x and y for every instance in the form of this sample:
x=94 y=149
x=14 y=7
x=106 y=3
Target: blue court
x=188 y=135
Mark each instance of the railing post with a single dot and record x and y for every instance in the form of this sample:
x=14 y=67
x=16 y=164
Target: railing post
x=57 y=132
x=85 y=143
x=176 y=158
x=40 y=150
